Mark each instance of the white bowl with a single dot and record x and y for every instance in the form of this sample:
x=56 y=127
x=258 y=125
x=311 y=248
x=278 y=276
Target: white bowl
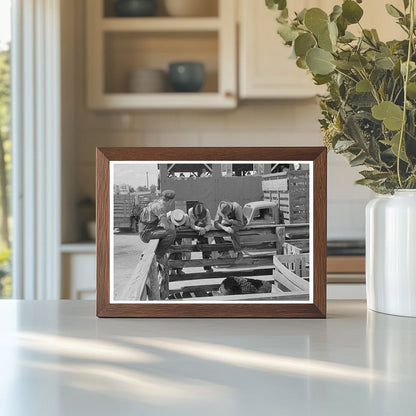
x=147 y=80
x=191 y=8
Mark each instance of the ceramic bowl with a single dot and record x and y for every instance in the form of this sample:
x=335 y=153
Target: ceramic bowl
x=186 y=76
x=147 y=80
x=135 y=8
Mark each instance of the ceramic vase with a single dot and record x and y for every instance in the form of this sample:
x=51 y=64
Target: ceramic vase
x=391 y=253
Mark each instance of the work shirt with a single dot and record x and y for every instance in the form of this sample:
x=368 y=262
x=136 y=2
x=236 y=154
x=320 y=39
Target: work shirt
x=197 y=223
x=236 y=217
x=155 y=211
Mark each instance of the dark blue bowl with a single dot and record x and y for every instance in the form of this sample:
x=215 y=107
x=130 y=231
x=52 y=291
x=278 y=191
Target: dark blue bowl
x=135 y=8
x=186 y=76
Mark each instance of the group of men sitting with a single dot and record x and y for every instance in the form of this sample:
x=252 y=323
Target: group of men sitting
x=160 y=220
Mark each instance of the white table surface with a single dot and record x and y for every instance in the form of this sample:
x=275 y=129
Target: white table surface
x=57 y=358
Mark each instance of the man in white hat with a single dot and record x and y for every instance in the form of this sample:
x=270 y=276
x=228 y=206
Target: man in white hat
x=181 y=221
x=200 y=221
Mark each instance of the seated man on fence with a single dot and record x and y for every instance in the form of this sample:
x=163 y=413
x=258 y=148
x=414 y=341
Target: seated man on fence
x=154 y=224
x=200 y=221
x=181 y=222
x=230 y=219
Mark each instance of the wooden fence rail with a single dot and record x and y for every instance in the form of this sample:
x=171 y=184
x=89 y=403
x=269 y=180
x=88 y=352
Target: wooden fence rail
x=150 y=280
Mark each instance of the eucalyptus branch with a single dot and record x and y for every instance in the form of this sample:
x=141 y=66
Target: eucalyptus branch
x=346 y=75
x=373 y=88
x=406 y=80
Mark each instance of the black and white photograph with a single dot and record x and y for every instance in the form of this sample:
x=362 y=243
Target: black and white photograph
x=211 y=232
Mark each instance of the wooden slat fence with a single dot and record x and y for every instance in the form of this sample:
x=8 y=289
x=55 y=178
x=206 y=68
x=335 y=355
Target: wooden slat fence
x=151 y=281
x=291 y=191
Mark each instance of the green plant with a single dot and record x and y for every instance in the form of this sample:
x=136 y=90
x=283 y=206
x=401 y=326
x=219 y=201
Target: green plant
x=369 y=113
x=5 y=278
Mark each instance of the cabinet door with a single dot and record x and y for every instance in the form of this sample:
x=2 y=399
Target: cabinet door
x=265 y=68
x=266 y=71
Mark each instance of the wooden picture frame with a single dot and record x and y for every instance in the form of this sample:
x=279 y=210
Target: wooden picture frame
x=312 y=159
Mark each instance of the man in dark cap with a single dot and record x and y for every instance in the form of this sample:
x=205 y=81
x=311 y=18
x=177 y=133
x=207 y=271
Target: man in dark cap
x=230 y=219
x=154 y=224
x=200 y=221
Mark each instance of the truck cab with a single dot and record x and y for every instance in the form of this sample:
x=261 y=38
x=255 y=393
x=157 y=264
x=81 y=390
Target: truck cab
x=261 y=213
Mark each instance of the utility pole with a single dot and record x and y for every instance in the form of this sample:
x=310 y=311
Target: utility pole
x=147 y=180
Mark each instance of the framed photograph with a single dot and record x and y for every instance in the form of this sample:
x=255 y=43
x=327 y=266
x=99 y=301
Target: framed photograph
x=211 y=232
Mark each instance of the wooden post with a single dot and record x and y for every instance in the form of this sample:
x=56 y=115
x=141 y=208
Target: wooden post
x=280 y=234
x=153 y=281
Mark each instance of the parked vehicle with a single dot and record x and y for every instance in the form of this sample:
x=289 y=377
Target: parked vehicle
x=261 y=213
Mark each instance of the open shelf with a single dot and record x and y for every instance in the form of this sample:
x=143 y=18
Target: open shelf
x=210 y=7
x=160 y=24
x=119 y=45
x=126 y=51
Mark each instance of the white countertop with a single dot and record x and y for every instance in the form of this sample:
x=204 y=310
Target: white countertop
x=57 y=358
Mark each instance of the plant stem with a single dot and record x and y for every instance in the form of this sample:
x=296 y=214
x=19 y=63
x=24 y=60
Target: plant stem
x=405 y=81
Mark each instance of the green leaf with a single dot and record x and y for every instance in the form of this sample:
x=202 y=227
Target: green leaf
x=411 y=90
x=358 y=160
x=336 y=12
x=374 y=175
x=384 y=62
x=301 y=63
x=388 y=112
x=343 y=145
x=406 y=4
x=342 y=25
x=301 y=15
x=394 y=145
x=325 y=42
x=344 y=65
x=303 y=43
x=351 y=11
x=363 y=86
x=319 y=61
x=287 y=33
x=375 y=35
x=393 y=11
x=347 y=37
x=316 y=20
x=358 y=61
x=321 y=79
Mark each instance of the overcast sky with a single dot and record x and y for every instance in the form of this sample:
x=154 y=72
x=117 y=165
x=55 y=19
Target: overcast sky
x=134 y=174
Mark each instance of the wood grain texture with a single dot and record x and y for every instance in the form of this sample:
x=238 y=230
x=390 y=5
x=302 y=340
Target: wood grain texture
x=317 y=309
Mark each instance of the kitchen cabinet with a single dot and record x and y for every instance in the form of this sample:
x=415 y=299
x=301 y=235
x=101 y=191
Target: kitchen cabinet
x=118 y=45
x=265 y=70
x=78 y=263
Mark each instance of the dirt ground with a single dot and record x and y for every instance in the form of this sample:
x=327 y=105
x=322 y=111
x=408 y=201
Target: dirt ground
x=127 y=249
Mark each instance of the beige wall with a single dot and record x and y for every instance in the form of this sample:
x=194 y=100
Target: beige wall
x=253 y=123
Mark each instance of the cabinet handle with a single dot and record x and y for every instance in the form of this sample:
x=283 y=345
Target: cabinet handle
x=229 y=94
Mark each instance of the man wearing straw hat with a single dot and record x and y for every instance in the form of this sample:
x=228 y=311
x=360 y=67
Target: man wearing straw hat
x=180 y=220
x=200 y=221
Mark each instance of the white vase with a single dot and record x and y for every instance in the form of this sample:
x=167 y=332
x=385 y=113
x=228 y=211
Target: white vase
x=391 y=253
